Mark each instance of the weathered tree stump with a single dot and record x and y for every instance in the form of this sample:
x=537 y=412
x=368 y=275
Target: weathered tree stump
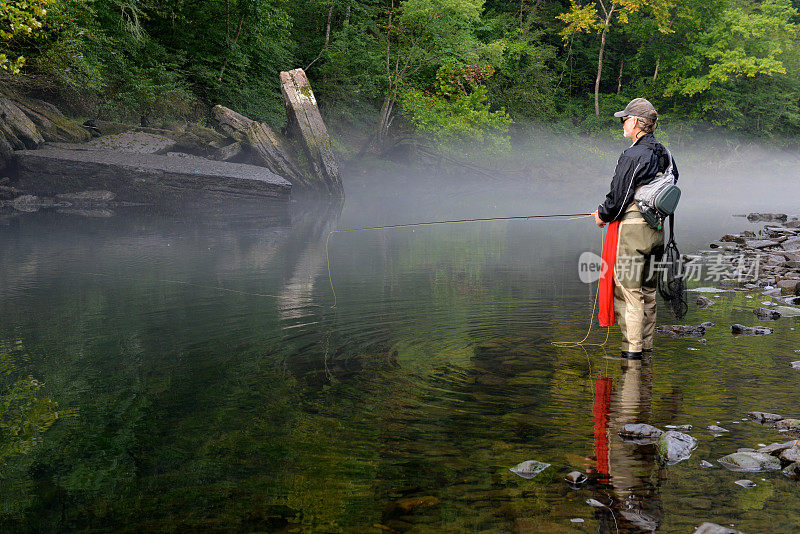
x=265 y=144
x=308 y=129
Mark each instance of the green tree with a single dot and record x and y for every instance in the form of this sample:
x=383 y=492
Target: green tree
x=19 y=19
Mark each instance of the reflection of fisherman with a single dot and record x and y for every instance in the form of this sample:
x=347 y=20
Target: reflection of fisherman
x=629 y=468
x=638 y=245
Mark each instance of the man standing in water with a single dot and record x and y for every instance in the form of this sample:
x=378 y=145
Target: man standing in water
x=637 y=244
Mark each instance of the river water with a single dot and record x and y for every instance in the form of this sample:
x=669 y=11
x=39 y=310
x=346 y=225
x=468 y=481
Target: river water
x=192 y=374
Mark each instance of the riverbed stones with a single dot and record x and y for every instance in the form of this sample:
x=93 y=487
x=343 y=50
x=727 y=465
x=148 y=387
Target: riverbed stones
x=706 y=465
x=750 y=462
x=742 y=330
x=640 y=433
x=745 y=483
x=791 y=425
x=792 y=471
x=788 y=311
x=767 y=315
x=681 y=331
x=789 y=286
x=795 y=365
x=716 y=428
x=713 y=528
x=529 y=468
x=676 y=446
x=764 y=417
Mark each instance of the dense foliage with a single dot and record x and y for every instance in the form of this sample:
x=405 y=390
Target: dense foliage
x=379 y=65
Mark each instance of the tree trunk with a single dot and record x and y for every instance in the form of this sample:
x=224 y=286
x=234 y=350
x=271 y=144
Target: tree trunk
x=655 y=74
x=619 y=78
x=599 y=72
x=235 y=40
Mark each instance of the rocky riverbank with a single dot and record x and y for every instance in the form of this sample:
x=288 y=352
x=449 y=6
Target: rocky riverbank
x=44 y=156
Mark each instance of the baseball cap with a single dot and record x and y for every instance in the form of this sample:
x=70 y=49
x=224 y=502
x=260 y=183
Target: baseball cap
x=639 y=107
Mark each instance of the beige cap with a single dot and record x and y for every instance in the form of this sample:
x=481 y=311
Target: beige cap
x=638 y=107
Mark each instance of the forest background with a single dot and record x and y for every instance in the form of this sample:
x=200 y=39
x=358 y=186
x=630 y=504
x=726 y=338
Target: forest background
x=455 y=73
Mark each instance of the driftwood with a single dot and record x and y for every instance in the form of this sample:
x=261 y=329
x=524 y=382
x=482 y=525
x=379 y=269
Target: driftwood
x=267 y=147
x=308 y=129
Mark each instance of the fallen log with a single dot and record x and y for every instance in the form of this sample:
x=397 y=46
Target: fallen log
x=308 y=129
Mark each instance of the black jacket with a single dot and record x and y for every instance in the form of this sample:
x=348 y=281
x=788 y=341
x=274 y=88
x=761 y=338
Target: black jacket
x=638 y=165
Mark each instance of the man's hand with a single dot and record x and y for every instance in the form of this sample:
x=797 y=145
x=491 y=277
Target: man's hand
x=597 y=220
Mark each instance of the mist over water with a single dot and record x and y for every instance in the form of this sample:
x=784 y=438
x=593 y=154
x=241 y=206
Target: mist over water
x=216 y=387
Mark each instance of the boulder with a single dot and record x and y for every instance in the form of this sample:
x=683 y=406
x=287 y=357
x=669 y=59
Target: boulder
x=791 y=454
x=789 y=287
x=133 y=142
x=788 y=311
x=764 y=417
x=791 y=425
x=792 y=244
x=741 y=330
x=308 y=129
x=640 y=433
x=775 y=449
x=676 y=446
x=576 y=478
x=750 y=462
x=767 y=315
x=767 y=217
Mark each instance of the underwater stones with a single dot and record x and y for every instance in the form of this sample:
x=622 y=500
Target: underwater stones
x=640 y=433
x=749 y=462
x=745 y=483
x=704 y=302
x=707 y=324
x=576 y=478
x=741 y=330
x=792 y=471
x=529 y=468
x=682 y=428
x=764 y=417
x=676 y=446
x=706 y=465
x=795 y=365
x=713 y=528
x=679 y=330
x=788 y=311
x=767 y=315
x=715 y=428
x=791 y=425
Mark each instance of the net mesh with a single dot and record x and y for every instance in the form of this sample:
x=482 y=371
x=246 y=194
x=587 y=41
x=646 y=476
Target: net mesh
x=672 y=282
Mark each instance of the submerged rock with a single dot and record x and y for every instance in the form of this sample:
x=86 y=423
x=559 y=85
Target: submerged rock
x=679 y=330
x=741 y=330
x=640 y=433
x=707 y=324
x=767 y=315
x=713 y=528
x=750 y=462
x=682 y=428
x=529 y=468
x=704 y=302
x=764 y=417
x=792 y=425
x=788 y=311
x=715 y=428
x=792 y=471
x=706 y=465
x=676 y=446
x=746 y=483
x=576 y=478
x=795 y=365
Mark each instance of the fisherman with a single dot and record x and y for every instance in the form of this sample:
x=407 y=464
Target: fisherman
x=638 y=246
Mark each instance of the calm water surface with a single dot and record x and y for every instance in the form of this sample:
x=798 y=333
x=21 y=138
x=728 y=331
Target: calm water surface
x=204 y=382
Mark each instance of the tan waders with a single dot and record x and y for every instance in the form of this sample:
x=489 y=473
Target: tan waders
x=638 y=247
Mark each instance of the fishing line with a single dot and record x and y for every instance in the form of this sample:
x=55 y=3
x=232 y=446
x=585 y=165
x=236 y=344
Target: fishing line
x=566 y=217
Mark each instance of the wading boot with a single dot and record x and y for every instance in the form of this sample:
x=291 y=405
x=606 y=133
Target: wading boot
x=626 y=355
